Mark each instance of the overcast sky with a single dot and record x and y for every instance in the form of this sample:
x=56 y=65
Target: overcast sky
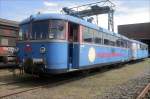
x=126 y=11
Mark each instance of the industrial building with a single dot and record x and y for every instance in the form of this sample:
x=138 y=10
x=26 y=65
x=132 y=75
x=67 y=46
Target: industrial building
x=140 y=31
x=8 y=36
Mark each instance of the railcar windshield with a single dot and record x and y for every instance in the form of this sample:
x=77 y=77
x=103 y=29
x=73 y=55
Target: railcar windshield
x=46 y=29
x=57 y=29
x=24 y=31
x=39 y=30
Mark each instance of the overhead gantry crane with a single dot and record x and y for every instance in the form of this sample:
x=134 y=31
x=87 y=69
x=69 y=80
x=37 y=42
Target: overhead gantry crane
x=91 y=9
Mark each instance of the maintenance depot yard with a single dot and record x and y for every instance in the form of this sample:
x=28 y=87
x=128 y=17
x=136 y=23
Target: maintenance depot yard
x=125 y=81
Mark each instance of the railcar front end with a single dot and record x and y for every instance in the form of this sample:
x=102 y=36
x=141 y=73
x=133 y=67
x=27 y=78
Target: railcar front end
x=43 y=46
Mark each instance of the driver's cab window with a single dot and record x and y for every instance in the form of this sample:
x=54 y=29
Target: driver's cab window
x=57 y=29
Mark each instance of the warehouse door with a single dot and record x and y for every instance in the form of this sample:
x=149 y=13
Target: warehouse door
x=73 y=46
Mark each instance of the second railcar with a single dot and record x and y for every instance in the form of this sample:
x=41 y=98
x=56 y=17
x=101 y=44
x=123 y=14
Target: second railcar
x=139 y=50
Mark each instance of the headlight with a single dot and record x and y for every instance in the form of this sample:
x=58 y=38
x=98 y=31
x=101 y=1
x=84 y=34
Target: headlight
x=42 y=50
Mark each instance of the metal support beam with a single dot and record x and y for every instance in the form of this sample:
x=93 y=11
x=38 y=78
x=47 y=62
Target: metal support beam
x=111 y=21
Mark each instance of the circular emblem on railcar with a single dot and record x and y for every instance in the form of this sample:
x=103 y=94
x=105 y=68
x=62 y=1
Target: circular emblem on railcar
x=91 y=54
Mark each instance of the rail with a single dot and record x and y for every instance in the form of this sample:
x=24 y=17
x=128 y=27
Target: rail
x=144 y=93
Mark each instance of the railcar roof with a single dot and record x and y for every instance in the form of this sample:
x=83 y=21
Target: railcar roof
x=39 y=17
x=135 y=41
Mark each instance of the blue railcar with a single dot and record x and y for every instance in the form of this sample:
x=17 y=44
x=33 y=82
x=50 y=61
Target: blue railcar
x=56 y=43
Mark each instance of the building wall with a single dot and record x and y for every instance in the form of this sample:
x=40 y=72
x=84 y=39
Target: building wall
x=135 y=31
x=8 y=36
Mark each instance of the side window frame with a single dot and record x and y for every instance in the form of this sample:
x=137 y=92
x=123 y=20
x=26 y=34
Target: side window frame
x=89 y=33
x=97 y=37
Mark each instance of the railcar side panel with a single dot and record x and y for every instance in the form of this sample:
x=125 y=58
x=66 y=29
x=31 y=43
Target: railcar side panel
x=55 y=55
x=142 y=54
x=92 y=54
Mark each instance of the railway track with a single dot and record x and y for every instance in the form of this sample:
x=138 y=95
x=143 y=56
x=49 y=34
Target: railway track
x=145 y=94
x=55 y=81
x=11 y=90
x=51 y=82
x=15 y=82
x=22 y=91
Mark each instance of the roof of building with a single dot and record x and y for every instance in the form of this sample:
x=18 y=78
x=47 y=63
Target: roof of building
x=9 y=23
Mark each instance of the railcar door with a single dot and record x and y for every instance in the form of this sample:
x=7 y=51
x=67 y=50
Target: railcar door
x=134 y=50
x=73 y=46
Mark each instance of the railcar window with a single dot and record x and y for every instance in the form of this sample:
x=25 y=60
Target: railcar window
x=118 y=42
x=112 y=43
x=46 y=29
x=24 y=32
x=109 y=39
x=128 y=44
x=124 y=43
x=57 y=29
x=112 y=40
x=97 y=37
x=87 y=35
x=39 y=30
x=138 y=45
x=146 y=47
x=143 y=47
x=20 y=34
x=105 y=37
x=106 y=41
